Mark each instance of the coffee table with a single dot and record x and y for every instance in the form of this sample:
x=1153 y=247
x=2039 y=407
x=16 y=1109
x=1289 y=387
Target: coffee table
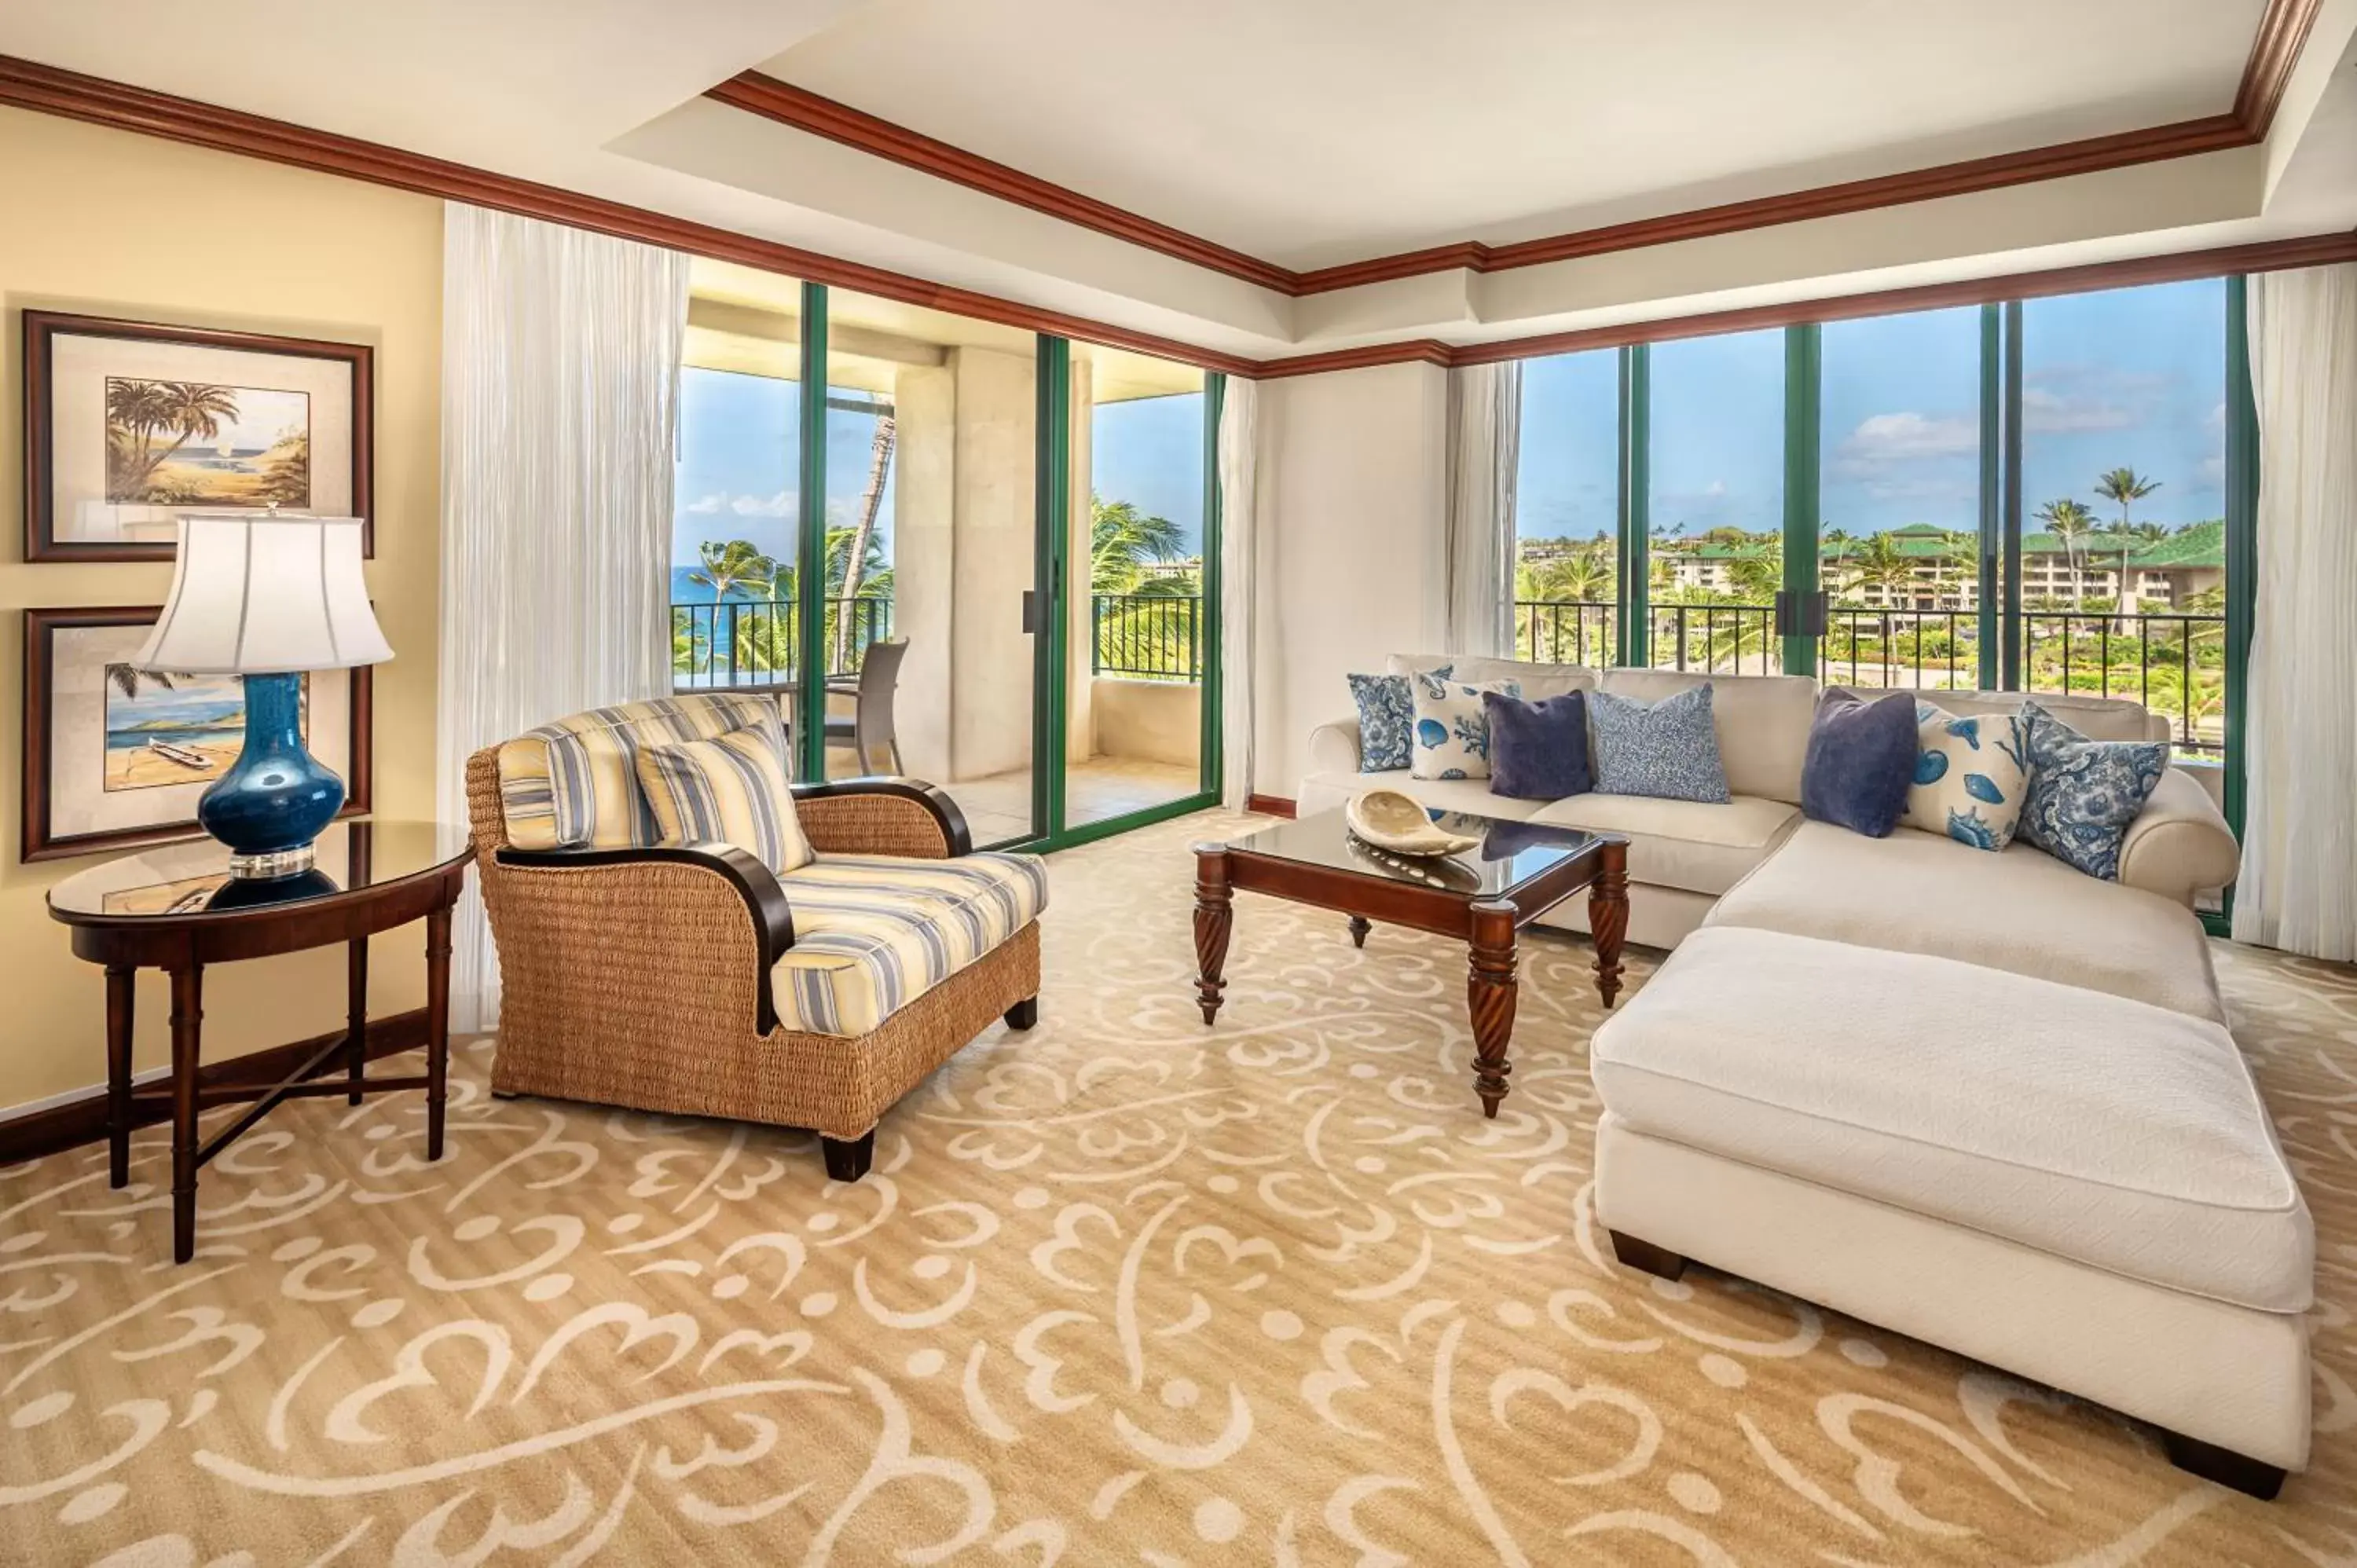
x=1481 y=897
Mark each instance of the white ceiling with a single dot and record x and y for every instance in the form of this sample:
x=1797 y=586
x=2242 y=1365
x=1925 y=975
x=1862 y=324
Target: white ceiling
x=1310 y=132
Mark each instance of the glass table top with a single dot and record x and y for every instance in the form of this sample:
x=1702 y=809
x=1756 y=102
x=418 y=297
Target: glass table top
x=190 y=876
x=1509 y=854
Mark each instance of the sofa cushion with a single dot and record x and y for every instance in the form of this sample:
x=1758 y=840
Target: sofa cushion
x=1762 y=723
x=1323 y=791
x=1535 y=680
x=2084 y=793
x=2101 y=1130
x=874 y=932
x=1668 y=749
x=1538 y=749
x=1450 y=735
x=1861 y=762
x=2019 y=910
x=1686 y=845
x=1971 y=777
x=2097 y=718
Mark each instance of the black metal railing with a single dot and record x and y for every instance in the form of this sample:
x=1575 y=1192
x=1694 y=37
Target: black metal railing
x=1720 y=639
x=1565 y=632
x=738 y=643
x=1898 y=647
x=2173 y=663
x=1154 y=636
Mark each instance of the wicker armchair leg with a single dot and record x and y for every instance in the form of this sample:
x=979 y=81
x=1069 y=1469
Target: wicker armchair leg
x=1024 y=1013
x=847 y=1160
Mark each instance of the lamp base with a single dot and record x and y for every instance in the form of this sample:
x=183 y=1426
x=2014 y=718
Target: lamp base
x=270 y=864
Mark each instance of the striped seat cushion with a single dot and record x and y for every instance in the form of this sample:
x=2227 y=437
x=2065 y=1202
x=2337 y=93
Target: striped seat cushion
x=574 y=784
x=874 y=932
x=731 y=790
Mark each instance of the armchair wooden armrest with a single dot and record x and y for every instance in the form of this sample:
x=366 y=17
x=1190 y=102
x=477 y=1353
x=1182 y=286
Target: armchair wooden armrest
x=880 y=815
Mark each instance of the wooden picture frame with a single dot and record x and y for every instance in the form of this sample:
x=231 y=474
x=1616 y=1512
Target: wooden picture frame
x=103 y=397
x=79 y=802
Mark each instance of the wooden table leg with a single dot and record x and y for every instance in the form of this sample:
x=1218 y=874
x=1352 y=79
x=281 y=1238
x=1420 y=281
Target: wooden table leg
x=356 y=1013
x=1214 y=915
x=1358 y=928
x=188 y=1033
x=120 y=995
x=1490 y=995
x=437 y=1025
x=1608 y=916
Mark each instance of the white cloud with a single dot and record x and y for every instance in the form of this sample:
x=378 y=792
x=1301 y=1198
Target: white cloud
x=1897 y=437
x=778 y=505
x=2045 y=413
x=707 y=506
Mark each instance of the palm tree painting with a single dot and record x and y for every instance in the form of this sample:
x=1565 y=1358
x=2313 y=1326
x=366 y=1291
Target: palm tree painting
x=196 y=444
x=163 y=728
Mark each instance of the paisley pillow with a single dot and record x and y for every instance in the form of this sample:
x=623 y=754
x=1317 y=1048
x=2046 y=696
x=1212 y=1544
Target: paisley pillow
x=1386 y=715
x=1452 y=729
x=1668 y=750
x=1971 y=777
x=2085 y=793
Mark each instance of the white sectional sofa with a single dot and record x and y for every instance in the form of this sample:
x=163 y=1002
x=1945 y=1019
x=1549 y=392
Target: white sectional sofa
x=1981 y=1098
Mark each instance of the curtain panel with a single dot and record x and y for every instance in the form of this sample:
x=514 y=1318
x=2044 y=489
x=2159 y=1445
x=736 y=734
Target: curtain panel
x=1239 y=583
x=560 y=394
x=1485 y=420
x=2298 y=884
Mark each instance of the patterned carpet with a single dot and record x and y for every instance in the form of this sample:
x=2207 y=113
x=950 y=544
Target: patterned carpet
x=1122 y=1291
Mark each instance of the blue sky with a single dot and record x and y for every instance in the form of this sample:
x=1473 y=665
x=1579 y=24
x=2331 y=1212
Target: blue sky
x=2135 y=377
x=738 y=458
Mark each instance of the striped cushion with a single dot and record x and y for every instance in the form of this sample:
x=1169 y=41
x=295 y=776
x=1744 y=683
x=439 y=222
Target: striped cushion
x=573 y=784
x=872 y=933
x=731 y=790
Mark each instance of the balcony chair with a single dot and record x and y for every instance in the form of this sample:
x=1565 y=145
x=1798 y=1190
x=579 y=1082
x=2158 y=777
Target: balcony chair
x=690 y=977
x=869 y=731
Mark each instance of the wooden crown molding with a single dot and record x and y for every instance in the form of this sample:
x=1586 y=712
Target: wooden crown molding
x=806 y=111
x=2264 y=256
x=25 y=84
x=2282 y=29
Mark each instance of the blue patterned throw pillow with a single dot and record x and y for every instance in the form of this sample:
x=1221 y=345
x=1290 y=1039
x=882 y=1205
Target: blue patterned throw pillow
x=1971 y=777
x=1386 y=715
x=2085 y=793
x=1452 y=737
x=1668 y=749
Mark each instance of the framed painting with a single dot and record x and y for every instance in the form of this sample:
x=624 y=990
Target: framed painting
x=129 y=424
x=116 y=756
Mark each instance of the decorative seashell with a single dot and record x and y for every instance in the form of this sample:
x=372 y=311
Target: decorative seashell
x=1396 y=821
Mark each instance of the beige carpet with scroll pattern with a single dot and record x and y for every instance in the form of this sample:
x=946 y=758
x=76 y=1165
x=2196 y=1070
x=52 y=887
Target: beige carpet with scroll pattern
x=1123 y=1291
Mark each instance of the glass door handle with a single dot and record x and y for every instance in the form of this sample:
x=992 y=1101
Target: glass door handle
x=1030 y=609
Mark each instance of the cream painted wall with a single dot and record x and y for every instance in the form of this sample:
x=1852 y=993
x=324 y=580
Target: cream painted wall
x=113 y=224
x=1350 y=502
x=997 y=457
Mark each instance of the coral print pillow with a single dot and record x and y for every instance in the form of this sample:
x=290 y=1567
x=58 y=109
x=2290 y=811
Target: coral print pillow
x=1971 y=777
x=1452 y=737
x=2085 y=793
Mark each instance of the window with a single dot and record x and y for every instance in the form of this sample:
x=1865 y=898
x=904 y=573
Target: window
x=1716 y=502
x=1567 y=509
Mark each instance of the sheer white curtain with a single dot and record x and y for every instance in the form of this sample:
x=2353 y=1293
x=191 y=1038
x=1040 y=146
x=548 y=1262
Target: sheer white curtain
x=560 y=395
x=1239 y=583
x=2298 y=885
x=1485 y=426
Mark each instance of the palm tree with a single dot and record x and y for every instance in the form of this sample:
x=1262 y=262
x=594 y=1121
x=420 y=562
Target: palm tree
x=733 y=564
x=1122 y=540
x=1880 y=563
x=127 y=677
x=879 y=463
x=2123 y=487
x=137 y=412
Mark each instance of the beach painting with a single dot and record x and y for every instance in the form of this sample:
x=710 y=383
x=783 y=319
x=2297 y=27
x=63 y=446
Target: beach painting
x=164 y=729
x=201 y=444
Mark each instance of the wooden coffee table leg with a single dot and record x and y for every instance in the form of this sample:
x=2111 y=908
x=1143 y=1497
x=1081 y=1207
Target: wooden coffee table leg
x=188 y=1033
x=1359 y=929
x=1607 y=916
x=1214 y=915
x=1490 y=993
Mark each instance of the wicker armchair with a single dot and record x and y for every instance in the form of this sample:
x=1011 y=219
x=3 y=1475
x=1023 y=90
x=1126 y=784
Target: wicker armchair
x=644 y=976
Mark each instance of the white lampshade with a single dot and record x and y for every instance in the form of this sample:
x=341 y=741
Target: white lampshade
x=257 y=596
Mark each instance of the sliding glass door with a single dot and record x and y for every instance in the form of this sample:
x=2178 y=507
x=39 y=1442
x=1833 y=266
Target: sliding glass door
x=952 y=550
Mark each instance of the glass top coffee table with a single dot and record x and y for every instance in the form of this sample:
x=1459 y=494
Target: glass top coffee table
x=1481 y=897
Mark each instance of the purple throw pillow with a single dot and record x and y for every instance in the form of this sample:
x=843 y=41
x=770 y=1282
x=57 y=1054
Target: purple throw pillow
x=1860 y=762
x=1538 y=749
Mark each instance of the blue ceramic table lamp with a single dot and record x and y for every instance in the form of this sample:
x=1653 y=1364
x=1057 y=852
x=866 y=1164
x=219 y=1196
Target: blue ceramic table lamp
x=268 y=598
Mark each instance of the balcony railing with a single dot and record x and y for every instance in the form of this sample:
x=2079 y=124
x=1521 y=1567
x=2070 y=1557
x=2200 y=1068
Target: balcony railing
x=749 y=643
x=1153 y=636
x=2171 y=663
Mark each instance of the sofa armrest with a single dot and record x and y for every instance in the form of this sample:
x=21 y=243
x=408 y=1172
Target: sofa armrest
x=2180 y=844
x=581 y=899
x=1334 y=748
x=882 y=816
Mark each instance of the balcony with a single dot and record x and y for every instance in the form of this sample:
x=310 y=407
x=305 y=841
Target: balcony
x=749 y=644
x=2171 y=661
